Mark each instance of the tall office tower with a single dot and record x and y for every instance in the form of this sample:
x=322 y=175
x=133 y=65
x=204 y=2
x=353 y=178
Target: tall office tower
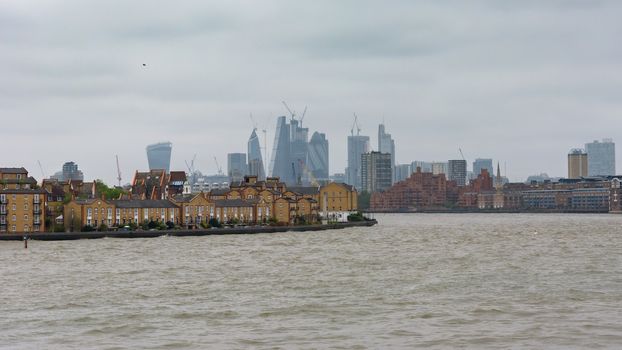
x=402 y=172
x=299 y=139
x=70 y=172
x=255 y=160
x=577 y=163
x=601 y=158
x=456 y=171
x=426 y=167
x=236 y=166
x=159 y=156
x=385 y=143
x=318 y=156
x=482 y=163
x=376 y=171
x=439 y=168
x=280 y=165
x=357 y=145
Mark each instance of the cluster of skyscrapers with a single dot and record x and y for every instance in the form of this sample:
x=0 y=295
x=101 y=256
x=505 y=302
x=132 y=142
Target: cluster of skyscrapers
x=296 y=160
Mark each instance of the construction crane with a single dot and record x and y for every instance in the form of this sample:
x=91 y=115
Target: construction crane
x=41 y=168
x=292 y=114
x=358 y=126
x=218 y=167
x=461 y=154
x=303 y=116
x=118 y=171
x=190 y=167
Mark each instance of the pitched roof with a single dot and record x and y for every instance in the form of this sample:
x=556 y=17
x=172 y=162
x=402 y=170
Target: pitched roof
x=177 y=176
x=23 y=191
x=185 y=198
x=309 y=190
x=21 y=170
x=219 y=192
x=234 y=203
x=146 y=203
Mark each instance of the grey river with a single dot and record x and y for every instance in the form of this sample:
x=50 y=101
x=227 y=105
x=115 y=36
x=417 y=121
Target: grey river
x=414 y=281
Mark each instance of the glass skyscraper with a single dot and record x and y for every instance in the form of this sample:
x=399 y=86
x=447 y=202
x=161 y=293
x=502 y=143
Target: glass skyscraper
x=159 y=156
x=601 y=158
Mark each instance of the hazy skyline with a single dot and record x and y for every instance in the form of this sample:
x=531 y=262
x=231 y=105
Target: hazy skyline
x=521 y=82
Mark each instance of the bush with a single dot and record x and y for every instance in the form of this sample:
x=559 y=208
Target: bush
x=58 y=228
x=88 y=228
x=204 y=224
x=102 y=227
x=170 y=225
x=213 y=222
x=358 y=216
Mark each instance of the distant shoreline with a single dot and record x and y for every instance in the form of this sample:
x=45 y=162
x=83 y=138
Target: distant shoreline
x=64 y=236
x=485 y=211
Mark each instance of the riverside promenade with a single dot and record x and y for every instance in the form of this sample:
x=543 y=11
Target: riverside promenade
x=63 y=236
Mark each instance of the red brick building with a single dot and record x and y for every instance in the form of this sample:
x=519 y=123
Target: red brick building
x=419 y=191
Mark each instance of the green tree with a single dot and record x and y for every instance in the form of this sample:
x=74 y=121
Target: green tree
x=363 y=200
x=109 y=192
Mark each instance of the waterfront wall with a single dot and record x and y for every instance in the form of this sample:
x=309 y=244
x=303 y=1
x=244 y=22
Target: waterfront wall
x=61 y=236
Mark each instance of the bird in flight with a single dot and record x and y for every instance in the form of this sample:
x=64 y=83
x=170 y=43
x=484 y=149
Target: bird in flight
x=144 y=64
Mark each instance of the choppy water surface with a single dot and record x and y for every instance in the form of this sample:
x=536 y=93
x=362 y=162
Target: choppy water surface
x=436 y=281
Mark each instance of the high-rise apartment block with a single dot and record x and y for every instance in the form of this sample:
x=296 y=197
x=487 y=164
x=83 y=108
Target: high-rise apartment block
x=601 y=158
x=386 y=144
x=402 y=172
x=376 y=171
x=577 y=163
x=482 y=163
x=357 y=146
x=456 y=171
x=159 y=156
x=236 y=166
x=439 y=168
x=426 y=167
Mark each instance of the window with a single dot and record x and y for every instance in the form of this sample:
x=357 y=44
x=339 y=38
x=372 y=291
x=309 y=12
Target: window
x=2 y=197
x=13 y=228
x=14 y=207
x=26 y=217
x=13 y=218
x=89 y=212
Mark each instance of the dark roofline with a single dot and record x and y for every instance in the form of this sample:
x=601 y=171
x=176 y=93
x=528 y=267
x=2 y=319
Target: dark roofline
x=146 y=203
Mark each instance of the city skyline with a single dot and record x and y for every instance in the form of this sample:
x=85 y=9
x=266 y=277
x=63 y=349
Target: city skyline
x=496 y=80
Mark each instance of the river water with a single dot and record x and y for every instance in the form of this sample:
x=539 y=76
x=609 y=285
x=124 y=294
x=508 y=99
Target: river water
x=415 y=280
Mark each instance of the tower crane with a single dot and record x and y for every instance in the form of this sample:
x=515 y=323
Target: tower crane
x=218 y=166
x=190 y=165
x=358 y=126
x=303 y=116
x=118 y=170
x=292 y=114
x=461 y=154
x=41 y=168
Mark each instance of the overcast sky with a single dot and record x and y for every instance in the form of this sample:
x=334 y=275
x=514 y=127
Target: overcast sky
x=520 y=81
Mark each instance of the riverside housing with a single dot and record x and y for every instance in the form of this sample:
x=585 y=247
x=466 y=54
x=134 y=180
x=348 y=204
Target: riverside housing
x=161 y=198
